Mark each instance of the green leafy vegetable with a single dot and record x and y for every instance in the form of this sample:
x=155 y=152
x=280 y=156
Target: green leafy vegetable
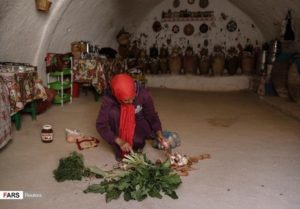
x=143 y=179
x=136 y=180
x=70 y=168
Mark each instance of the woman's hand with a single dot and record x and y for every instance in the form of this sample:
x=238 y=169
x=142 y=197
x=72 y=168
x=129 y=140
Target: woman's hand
x=162 y=140
x=124 y=146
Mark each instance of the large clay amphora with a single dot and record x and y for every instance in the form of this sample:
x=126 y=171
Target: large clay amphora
x=189 y=64
x=247 y=64
x=232 y=64
x=217 y=65
x=294 y=79
x=154 y=66
x=163 y=65
x=204 y=65
x=175 y=64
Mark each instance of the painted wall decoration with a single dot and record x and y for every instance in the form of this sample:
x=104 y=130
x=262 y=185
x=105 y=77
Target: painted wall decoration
x=188 y=29
x=219 y=23
x=203 y=3
x=175 y=29
x=156 y=26
x=231 y=26
x=176 y=3
x=191 y=1
x=203 y=28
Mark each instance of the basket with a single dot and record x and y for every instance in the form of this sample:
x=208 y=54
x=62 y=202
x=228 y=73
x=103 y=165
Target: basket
x=43 y=5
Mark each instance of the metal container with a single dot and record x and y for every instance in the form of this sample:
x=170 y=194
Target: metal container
x=261 y=62
x=273 y=51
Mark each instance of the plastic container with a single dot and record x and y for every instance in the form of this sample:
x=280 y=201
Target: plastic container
x=76 y=88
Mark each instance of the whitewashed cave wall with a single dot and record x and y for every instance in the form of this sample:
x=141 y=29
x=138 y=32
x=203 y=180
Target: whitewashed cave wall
x=247 y=30
x=26 y=35
x=97 y=21
x=269 y=14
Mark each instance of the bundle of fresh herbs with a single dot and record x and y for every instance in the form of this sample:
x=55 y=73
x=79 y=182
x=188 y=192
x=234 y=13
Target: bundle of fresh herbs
x=137 y=178
x=70 y=168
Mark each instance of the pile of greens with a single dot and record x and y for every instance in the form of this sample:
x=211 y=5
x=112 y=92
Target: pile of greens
x=70 y=168
x=136 y=178
x=142 y=178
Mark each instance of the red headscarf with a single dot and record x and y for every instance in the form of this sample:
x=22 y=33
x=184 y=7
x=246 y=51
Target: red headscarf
x=123 y=87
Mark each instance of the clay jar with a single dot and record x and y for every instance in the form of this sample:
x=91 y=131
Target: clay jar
x=232 y=64
x=204 y=65
x=217 y=65
x=175 y=63
x=189 y=62
x=123 y=38
x=47 y=134
x=154 y=66
x=163 y=63
x=247 y=64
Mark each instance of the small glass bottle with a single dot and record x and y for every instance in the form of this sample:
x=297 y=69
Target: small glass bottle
x=47 y=134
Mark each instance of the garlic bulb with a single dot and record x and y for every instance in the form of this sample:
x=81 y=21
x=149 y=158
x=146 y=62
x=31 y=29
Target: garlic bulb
x=178 y=160
x=184 y=160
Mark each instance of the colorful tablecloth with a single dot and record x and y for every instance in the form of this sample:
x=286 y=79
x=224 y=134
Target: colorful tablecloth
x=5 y=122
x=98 y=72
x=23 y=86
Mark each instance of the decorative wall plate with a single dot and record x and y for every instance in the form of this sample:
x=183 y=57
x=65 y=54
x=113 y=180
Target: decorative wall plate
x=203 y=3
x=176 y=3
x=175 y=29
x=191 y=1
x=156 y=26
x=203 y=28
x=188 y=29
x=231 y=26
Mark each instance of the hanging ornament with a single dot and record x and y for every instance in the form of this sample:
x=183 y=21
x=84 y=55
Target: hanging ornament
x=188 y=29
x=156 y=26
x=289 y=33
x=175 y=29
x=231 y=26
x=203 y=28
x=176 y=3
x=203 y=3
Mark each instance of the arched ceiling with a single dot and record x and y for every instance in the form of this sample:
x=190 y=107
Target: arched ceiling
x=27 y=34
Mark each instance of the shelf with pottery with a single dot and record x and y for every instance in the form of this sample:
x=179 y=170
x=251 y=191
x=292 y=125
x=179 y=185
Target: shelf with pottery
x=185 y=15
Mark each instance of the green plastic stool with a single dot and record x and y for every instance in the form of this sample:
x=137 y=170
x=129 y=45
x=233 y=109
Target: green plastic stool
x=31 y=108
x=96 y=94
x=17 y=119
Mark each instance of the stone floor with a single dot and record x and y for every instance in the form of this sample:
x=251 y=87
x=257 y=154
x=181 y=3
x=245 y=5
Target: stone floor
x=284 y=105
x=254 y=148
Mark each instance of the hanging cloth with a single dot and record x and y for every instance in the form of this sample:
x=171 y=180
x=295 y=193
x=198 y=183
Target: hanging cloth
x=289 y=33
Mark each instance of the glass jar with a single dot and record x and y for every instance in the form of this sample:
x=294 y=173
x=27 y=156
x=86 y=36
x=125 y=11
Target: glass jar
x=47 y=134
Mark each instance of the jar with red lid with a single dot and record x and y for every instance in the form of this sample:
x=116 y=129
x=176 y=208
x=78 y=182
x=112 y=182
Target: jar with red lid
x=47 y=134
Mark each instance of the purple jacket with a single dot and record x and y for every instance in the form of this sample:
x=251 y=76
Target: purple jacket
x=146 y=117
